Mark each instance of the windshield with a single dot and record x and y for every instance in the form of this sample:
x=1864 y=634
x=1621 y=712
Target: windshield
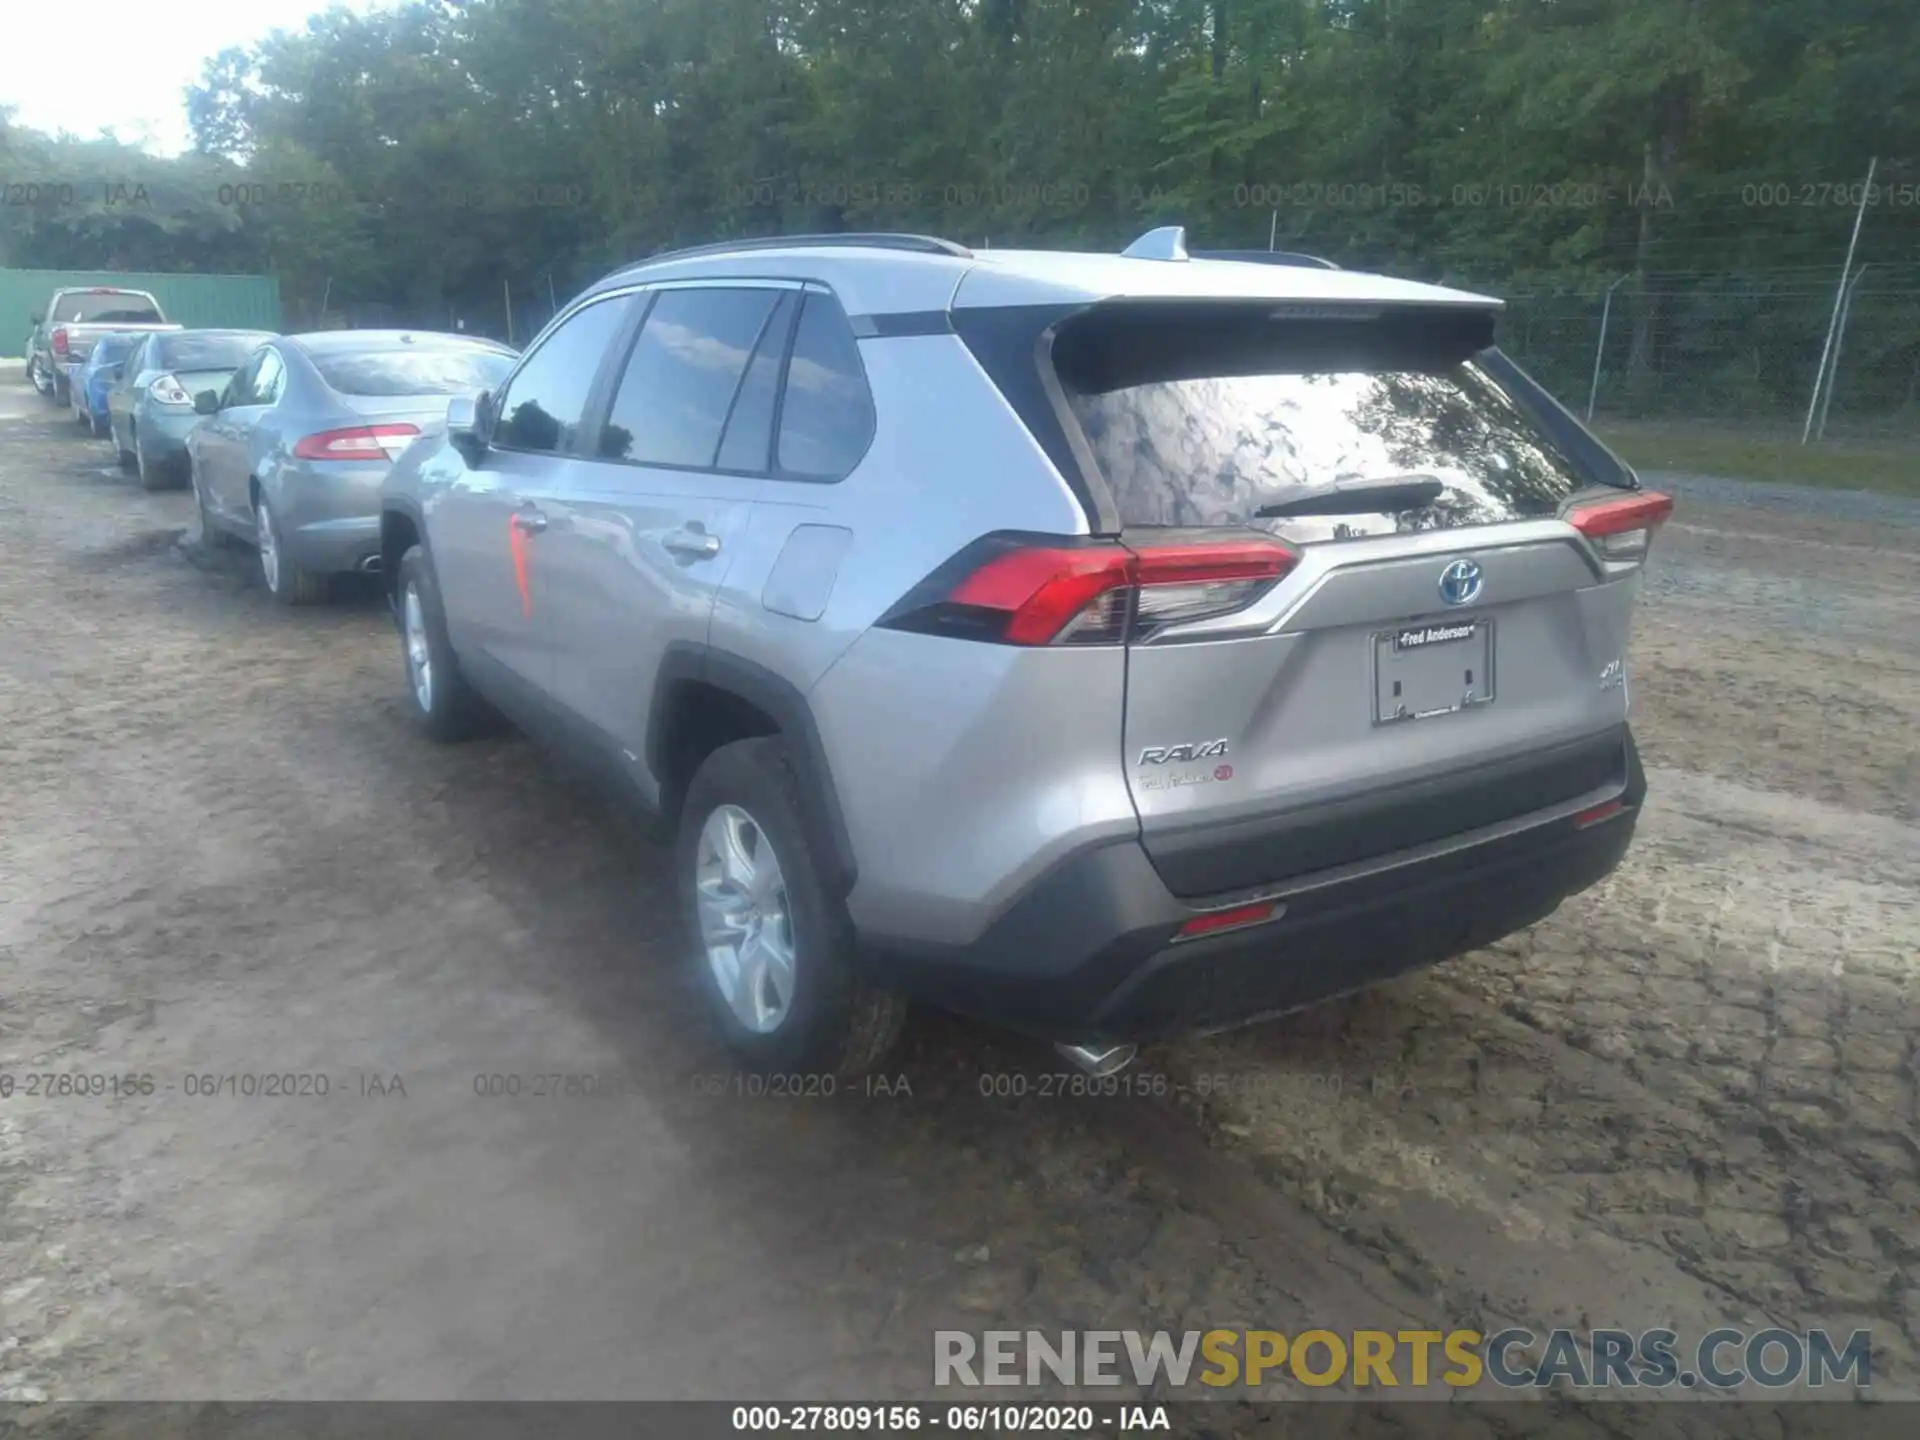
x=209 y=352
x=113 y=308
x=440 y=370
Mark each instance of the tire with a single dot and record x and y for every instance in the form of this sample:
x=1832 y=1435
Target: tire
x=60 y=393
x=128 y=460
x=152 y=476
x=828 y=1021
x=38 y=378
x=286 y=579
x=212 y=537
x=447 y=709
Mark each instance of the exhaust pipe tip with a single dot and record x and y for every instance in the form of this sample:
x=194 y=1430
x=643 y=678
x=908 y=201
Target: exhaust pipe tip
x=370 y=565
x=1099 y=1060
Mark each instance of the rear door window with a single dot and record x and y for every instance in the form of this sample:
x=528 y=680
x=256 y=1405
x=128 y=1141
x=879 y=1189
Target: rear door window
x=686 y=368
x=826 y=409
x=1192 y=428
x=749 y=439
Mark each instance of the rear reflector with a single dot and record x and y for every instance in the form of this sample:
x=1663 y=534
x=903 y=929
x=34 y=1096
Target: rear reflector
x=1019 y=590
x=357 y=442
x=1239 y=917
x=1598 y=813
x=1623 y=528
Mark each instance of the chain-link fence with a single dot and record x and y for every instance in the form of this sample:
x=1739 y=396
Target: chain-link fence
x=1739 y=350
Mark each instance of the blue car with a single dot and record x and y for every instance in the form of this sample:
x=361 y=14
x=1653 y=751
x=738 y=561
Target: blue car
x=94 y=377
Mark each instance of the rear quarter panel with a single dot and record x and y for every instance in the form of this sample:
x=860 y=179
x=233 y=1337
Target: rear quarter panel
x=962 y=769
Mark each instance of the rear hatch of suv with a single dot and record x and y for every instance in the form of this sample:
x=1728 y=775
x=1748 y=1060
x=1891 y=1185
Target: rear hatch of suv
x=1380 y=583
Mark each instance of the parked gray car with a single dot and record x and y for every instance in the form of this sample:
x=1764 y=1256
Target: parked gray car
x=290 y=454
x=1111 y=646
x=150 y=407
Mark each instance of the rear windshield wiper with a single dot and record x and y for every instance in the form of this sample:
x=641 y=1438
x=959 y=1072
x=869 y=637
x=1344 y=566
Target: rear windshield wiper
x=1378 y=494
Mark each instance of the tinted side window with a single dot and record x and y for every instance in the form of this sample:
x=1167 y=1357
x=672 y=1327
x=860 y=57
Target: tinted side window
x=680 y=381
x=826 y=412
x=240 y=388
x=542 y=406
x=269 y=379
x=749 y=441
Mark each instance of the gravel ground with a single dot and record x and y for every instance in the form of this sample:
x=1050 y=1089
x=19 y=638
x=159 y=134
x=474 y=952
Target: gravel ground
x=1689 y=1096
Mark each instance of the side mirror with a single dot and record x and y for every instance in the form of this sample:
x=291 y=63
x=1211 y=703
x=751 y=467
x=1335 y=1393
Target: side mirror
x=207 y=402
x=467 y=417
x=36 y=317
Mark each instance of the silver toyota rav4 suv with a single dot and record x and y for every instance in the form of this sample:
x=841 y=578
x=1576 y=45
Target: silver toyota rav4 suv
x=1109 y=646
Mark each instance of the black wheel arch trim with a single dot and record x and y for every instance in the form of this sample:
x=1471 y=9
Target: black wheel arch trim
x=784 y=702
x=407 y=506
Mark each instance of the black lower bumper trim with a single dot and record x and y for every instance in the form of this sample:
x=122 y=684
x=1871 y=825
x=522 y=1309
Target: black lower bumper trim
x=1088 y=951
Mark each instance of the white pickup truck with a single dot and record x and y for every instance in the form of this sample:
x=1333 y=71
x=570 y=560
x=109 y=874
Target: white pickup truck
x=64 y=333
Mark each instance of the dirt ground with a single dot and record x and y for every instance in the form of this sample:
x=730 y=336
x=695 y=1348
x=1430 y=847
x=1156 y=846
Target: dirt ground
x=1687 y=1098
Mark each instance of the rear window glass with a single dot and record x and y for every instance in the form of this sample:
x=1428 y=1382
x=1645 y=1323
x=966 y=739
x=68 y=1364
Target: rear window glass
x=434 y=371
x=85 y=309
x=1206 y=438
x=209 y=352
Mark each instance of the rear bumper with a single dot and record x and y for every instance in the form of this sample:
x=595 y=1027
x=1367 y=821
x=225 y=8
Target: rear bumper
x=330 y=515
x=1089 y=951
x=163 y=433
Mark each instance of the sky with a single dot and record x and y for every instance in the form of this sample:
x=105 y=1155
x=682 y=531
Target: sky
x=132 y=60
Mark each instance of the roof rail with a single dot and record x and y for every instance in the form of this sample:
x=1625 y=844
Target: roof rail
x=1268 y=257
x=866 y=239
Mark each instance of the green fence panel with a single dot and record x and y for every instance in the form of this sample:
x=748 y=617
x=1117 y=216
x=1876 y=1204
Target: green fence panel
x=240 y=302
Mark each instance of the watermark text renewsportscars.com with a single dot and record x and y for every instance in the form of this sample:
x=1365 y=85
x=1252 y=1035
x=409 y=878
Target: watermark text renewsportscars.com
x=1512 y=1359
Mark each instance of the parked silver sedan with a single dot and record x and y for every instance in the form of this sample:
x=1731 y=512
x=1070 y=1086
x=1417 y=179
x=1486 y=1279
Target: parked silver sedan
x=290 y=455
x=150 y=407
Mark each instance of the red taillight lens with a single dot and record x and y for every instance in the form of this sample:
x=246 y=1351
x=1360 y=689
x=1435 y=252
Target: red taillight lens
x=1042 y=592
x=1622 y=529
x=1598 y=813
x=357 y=442
x=1019 y=592
x=60 y=341
x=1240 y=916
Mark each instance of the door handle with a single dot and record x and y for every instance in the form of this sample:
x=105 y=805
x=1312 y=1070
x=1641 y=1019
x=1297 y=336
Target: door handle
x=529 y=521
x=695 y=543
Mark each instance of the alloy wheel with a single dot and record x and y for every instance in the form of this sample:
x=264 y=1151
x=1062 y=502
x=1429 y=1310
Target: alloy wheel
x=419 y=651
x=269 y=544
x=746 y=923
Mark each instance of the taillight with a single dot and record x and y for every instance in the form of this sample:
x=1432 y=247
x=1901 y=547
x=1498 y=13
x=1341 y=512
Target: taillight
x=60 y=340
x=1019 y=590
x=356 y=442
x=169 y=391
x=1622 y=529
x=1213 y=922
